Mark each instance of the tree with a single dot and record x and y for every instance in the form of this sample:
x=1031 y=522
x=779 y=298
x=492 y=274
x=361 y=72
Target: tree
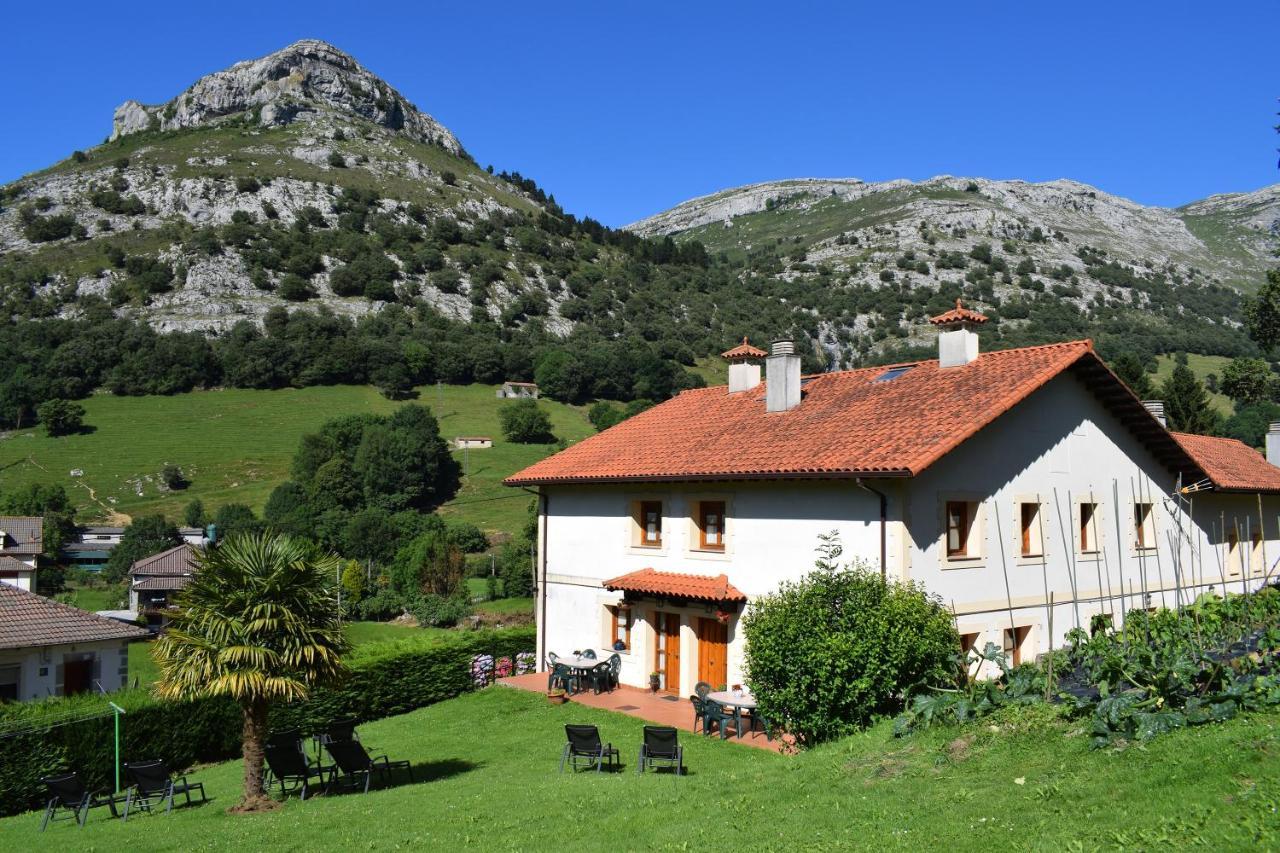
x=235 y=519
x=430 y=564
x=1186 y=403
x=1134 y=374
x=1251 y=422
x=258 y=623
x=148 y=535
x=524 y=422
x=52 y=504
x=171 y=475
x=1247 y=380
x=1262 y=313
x=61 y=417
x=604 y=414
x=193 y=514
x=839 y=647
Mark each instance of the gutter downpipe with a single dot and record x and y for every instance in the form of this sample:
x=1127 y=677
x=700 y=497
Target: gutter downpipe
x=884 y=522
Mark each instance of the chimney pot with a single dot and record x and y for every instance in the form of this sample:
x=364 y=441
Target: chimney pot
x=782 y=371
x=1156 y=408
x=1273 y=444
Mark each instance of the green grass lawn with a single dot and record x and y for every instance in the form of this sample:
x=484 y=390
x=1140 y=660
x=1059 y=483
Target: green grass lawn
x=97 y=597
x=486 y=769
x=236 y=445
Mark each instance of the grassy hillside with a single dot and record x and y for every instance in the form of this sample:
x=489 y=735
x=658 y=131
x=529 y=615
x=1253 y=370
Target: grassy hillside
x=1032 y=783
x=236 y=446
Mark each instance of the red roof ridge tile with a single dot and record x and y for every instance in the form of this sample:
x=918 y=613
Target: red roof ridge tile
x=677 y=585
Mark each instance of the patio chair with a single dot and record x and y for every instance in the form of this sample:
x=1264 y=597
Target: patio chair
x=289 y=765
x=762 y=721
x=584 y=749
x=67 y=792
x=589 y=654
x=354 y=762
x=615 y=670
x=699 y=713
x=713 y=713
x=339 y=730
x=661 y=748
x=600 y=677
x=152 y=782
x=282 y=738
x=702 y=688
x=562 y=676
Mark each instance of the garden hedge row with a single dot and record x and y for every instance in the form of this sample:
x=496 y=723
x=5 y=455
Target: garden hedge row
x=37 y=739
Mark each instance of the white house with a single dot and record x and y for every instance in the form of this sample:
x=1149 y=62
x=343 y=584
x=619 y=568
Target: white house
x=154 y=580
x=52 y=649
x=21 y=541
x=473 y=442
x=516 y=390
x=1028 y=489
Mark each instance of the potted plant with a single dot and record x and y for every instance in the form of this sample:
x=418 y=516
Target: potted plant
x=655 y=681
x=723 y=616
x=557 y=696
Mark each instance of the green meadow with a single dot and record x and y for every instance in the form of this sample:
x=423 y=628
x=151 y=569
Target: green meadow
x=236 y=445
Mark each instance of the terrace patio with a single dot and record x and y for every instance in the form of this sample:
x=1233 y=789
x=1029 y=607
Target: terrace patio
x=661 y=708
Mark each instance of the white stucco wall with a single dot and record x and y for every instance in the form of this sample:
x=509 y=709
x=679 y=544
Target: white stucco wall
x=1057 y=447
x=40 y=673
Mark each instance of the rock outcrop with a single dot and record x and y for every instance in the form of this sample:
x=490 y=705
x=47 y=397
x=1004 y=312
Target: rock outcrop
x=301 y=81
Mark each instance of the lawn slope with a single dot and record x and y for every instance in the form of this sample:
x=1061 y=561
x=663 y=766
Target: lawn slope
x=236 y=445
x=489 y=761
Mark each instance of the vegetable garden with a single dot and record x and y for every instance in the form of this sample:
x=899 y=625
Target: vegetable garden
x=1160 y=671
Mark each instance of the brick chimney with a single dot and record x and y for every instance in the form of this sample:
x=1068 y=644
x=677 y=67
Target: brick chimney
x=782 y=370
x=1156 y=408
x=744 y=366
x=957 y=342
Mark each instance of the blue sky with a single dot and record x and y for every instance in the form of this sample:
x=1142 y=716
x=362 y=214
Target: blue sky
x=624 y=109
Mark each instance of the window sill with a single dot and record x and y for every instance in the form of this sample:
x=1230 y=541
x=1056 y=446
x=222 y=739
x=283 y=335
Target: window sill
x=963 y=562
x=708 y=554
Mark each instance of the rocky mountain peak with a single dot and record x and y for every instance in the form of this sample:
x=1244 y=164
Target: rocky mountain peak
x=304 y=80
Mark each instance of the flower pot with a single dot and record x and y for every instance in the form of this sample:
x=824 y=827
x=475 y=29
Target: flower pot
x=557 y=698
x=654 y=683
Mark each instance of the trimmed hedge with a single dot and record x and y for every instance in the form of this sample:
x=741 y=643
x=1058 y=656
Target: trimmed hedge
x=38 y=739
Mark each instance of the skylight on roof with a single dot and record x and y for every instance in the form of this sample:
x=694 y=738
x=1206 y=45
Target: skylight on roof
x=892 y=373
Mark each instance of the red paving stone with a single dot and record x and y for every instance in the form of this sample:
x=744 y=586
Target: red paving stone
x=634 y=702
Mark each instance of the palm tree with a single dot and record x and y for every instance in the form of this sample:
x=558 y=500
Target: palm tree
x=259 y=623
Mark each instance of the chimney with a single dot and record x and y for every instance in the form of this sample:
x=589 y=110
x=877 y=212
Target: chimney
x=957 y=342
x=744 y=366
x=1156 y=408
x=782 y=369
x=1273 y=444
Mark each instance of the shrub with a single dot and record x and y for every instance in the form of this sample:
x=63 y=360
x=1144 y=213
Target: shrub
x=382 y=605
x=524 y=422
x=842 y=646
x=247 y=184
x=61 y=417
x=173 y=477
x=440 y=611
x=336 y=160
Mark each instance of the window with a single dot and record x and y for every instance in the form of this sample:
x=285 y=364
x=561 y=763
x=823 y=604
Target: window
x=711 y=525
x=959 y=522
x=649 y=519
x=1144 y=530
x=9 y=682
x=1031 y=543
x=1256 y=565
x=1233 y=552
x=620 y=628
x=1088 y=528
x=1016 y=645
x=892 y=373
x=968 y=643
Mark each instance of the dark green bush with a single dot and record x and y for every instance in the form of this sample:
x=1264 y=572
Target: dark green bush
x=833 y=651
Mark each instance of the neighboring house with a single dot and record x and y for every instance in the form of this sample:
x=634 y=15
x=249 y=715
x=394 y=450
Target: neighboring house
x=92 y=547
x=197 y=536
x=52 y=649
x=1001 y=481
x=21 y=541
x=516 y=390
x=154 y=580
x=474 y=442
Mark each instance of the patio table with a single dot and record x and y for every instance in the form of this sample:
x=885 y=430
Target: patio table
x=580 y=665
x=739 y=702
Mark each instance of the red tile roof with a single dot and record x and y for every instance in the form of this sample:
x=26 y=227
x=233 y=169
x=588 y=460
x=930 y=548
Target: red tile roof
x=178 y=560
x=848 y=424
x=743 y=350
x=12 y=564
x=677 y=585
x=21 y=534
x=1231 y=465
x=163 y=582
x=29 y=620
x=959 y=314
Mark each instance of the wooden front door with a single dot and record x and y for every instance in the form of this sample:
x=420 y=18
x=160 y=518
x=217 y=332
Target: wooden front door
x=713 y=647
x=666 y=650
x=77 y=677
